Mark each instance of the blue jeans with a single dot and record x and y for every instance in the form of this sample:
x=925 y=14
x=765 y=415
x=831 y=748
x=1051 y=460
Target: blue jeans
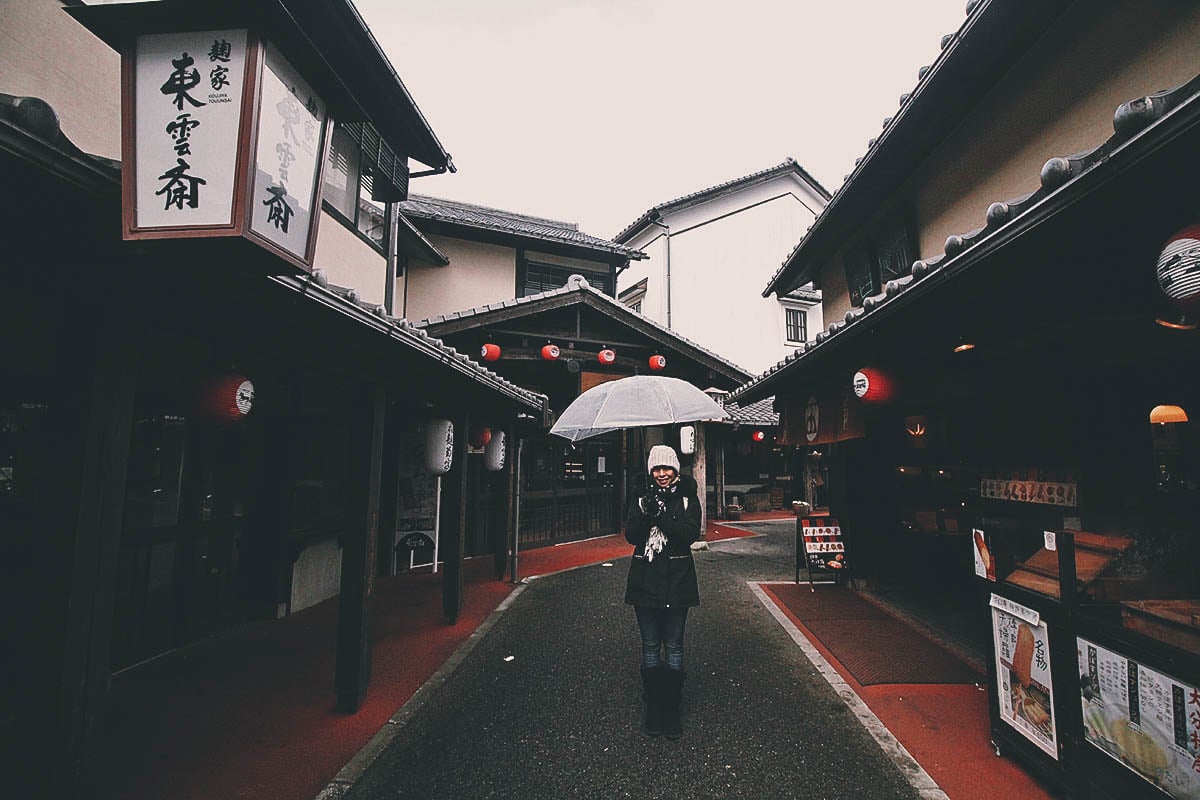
x=661 y=628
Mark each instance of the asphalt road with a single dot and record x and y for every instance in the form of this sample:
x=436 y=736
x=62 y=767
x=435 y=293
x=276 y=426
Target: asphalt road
x=562 y=718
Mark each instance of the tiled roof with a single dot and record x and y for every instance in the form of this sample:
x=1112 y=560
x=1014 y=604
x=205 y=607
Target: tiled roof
x=983 y=17
x=760 y=412
x=579 y=286
x=789 y=165
x=803 y=293
x=412 y=335
x=1059 y=175
x=420 y=207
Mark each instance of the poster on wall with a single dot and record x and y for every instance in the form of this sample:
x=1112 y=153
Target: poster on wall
x=1148 y=721
x=1023 y=678
x=985 y=562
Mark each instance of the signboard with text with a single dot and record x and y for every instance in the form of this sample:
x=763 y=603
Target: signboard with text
x=1148 y=721
x=1024 y=686
x=824 y=549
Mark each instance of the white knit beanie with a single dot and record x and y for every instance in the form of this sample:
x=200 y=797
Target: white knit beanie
x=662 y=456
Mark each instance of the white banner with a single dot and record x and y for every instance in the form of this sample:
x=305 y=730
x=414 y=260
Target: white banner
x=187 y=115
x=290 y=132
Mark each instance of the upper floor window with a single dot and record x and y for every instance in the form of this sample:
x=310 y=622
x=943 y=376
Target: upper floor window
x=349 y=190
x=634 y=295
x=540 y=278
x=796 y=324
x=884 y=256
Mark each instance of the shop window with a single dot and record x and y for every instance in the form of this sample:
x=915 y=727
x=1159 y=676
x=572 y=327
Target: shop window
x=349 y=192
x=883 y=256
x=796 y=325
x=538 y=278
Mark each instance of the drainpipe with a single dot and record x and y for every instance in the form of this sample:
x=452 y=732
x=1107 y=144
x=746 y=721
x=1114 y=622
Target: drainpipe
x=668 y=237
x=393 y=258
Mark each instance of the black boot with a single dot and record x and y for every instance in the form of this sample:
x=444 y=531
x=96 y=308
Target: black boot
x=652 y=697
x=672 y=696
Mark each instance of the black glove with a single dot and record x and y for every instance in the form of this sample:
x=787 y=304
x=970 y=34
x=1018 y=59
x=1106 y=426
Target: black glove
x=652 y=505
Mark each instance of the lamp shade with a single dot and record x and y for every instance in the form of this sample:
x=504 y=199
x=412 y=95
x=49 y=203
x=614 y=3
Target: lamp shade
x=759 y=436
x=1165 y=414
x=1178 y=268
x=872 y=385
x=494 y=453
x=439 y=446
x=658 y=362
x=490 y=352
x=225 y=399
x=551 y=352
x=606 y=356
x=480 y=435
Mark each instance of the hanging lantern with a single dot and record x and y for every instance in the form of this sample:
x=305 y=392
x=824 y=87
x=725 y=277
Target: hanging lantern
x=658 y=362
x=1178 y=268
x=493 y=454
x=606 y=356
x=225 y=398
x=872 y=386
x=687 y=440
x=551 y=352
x=759 y=436
x=480 y=435
x=439 y=446
x=490 y=352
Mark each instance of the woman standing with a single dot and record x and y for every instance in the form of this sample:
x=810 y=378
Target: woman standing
x=662 y=524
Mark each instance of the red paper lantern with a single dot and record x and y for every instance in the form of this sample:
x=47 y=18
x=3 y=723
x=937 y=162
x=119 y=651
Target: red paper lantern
x=551 y=352
x=759 y=436
x=480 y=435
x=872 y=385
x=658 y=362
x=606 y=356
x=1178 y=268
x=225 y=398
x=490 y=352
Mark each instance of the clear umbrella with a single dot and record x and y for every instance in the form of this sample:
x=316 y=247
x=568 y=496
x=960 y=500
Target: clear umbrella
x=635 y=402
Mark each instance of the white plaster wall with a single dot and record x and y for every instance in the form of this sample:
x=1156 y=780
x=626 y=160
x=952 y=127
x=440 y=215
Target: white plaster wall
x=36 y=38
x=478 y=274
x=349 y=261
x=723 y=253
x=316 y=575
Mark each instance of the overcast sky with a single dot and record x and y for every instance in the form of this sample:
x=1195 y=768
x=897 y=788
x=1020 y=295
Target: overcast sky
x=593 y=112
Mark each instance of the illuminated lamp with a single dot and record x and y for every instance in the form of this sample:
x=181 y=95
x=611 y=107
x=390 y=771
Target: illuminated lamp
x=225 y=398
x=658 y=362
x=551 y=352
x=872 y=386
x=480 y=435
x=606 y=356
x=493 y=454
x=1178 y=269
x=490 y=352
x=758 y=436
x=963 y=347
x=439 y=446
x=1161 y=415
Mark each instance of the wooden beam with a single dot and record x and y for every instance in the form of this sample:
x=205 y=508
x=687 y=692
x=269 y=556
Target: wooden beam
x=353 y=672
x=452 y=537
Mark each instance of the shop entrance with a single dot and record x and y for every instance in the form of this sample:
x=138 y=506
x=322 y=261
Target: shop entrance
x=182 y=573
x=569 y=493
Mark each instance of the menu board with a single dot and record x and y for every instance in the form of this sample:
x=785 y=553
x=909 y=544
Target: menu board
x=1148 y=721
x=1025 y=689
x=823 y=546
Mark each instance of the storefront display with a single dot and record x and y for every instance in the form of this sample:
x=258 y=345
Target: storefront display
x=1148 y=721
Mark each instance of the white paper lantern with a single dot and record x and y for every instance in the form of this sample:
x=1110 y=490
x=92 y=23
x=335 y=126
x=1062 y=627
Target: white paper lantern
x=439 y=446
x=495 y=452
x=687 y=440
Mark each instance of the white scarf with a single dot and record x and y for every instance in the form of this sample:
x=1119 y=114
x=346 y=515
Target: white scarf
x=655 y=543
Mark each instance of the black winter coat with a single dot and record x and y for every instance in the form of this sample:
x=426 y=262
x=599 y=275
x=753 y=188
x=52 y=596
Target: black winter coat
x=670 y=579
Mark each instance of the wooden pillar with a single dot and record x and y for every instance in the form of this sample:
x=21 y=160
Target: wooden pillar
x=507 y=516
x=389 y=487
x=721 y=441
x=98 y=429
x=359 y=544
x=700 y=473
x=452 y=537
